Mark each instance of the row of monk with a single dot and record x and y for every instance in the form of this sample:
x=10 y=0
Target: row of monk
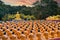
x=29 y=30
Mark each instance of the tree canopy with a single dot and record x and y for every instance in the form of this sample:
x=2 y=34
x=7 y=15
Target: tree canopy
x=41 y=10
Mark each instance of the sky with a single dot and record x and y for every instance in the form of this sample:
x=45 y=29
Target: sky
x=22 y=2
x=19 y=2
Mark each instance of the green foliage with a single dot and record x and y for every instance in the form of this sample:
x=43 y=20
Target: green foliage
x=27 y=17
x=12 y=17
x=46 y=8
x=8 y=17
x=5 y=18
x=41 y=10
x=57 y=17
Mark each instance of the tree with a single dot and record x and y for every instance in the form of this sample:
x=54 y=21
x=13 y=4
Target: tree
x=41 y=10
x=1 y=9
x=1 y=2
x=46 y=8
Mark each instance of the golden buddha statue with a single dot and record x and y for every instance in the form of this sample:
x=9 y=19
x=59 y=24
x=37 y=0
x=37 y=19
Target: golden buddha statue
x=17 y=16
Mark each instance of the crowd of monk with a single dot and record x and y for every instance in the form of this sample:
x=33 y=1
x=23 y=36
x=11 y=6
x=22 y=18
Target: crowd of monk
x=29 y=30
